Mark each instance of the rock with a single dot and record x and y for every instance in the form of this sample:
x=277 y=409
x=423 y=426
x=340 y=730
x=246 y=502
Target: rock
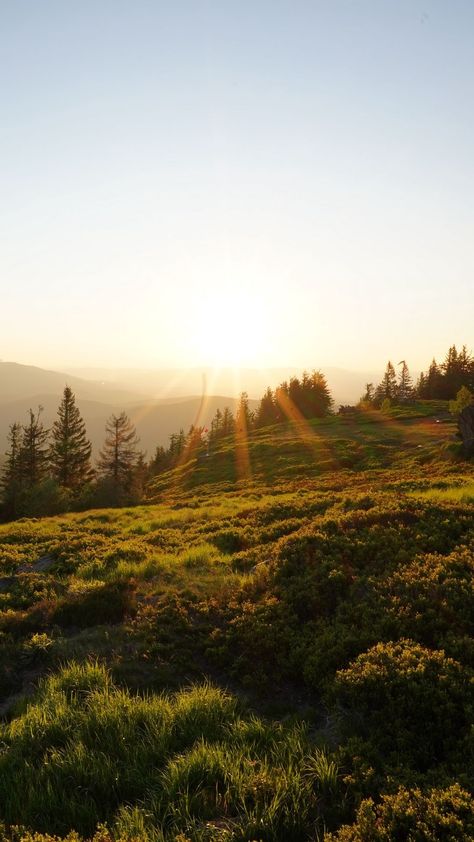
x=466 y=428
x=6 y=582
x=39 y=566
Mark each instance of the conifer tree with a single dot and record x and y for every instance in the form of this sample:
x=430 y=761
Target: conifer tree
x=160 y=461
x=387 y=389
x=70 y=450
x=244 y=416
x=368 y=395
x=317 y=400
x=33 y=450
x=216 y=426
x=11 y=475
x=267 y=412
x=228 y=422
x=405 y=384
x=119 y=455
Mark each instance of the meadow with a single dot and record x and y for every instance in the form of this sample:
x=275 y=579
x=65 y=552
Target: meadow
x=277 y=646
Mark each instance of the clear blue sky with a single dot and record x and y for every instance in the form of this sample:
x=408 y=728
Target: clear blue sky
x=265 y=182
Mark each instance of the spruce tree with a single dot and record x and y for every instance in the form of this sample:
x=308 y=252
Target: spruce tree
x=119 y=455
x=12 y=475
x=267 y=412
x=244 y=416
x=33 y=450
x=228 y=422
x=387 y=389
x=70 y=450
x=317 y=397
x=368 y=395
x=405 y=383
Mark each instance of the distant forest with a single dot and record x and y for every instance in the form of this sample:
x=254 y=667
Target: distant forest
x=51 y=471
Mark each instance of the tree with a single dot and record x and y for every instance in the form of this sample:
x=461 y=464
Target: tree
x=228 y=422
x=119 y=455
x=267 y=412
x=388 y=386
x=317 y=400
x=432 y=385
x=33 y=454
x=463 y=399
x=309 y=397
x=368 y=395
x=405 y=384
x=177 y=445
x=70 y=450
x=244 y=416
x=160 y=461
x=11 y=474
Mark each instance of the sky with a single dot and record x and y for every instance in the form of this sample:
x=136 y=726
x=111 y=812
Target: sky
x=236 y=183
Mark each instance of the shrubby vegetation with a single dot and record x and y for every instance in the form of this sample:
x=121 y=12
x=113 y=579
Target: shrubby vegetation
x=279 y=654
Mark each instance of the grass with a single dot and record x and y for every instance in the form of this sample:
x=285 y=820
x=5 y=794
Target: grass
x=204 y=666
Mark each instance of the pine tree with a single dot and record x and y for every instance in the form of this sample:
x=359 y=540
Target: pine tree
x=119 y=455
x=228 y=422
x=11 y=475
x=216 y=427
x=368 y=395
x=267 y=412
x=387 y=389
x=177 y=445
x=70 y=450
x=405 y=384
x=433 y=382
x=316 y=395
x=244 y=416
x=33 y=450
x=160 y=461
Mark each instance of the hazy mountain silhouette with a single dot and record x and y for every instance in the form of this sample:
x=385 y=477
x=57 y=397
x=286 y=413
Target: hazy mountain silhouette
x=24 y=381
x=159 y=401
x=154 y=420
x=346 y=386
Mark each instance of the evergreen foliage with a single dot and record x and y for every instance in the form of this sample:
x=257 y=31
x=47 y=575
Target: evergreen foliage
x=33 y=461
x=12 y=474
x=387 y=388
x=404 y=389
x=70 y=450
x=119 y=456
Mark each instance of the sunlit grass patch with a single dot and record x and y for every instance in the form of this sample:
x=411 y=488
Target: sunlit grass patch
x=456 y=494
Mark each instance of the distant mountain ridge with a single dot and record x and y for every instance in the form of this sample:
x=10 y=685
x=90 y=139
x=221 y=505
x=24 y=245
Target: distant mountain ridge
x=24 y=387
x=159 y=402
x=346 y=386
x=24 y=381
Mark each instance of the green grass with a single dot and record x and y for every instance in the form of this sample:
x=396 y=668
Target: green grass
x=249 y=658
x=455 y=494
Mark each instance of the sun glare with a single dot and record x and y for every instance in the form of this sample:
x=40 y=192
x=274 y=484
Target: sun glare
x=230 y=330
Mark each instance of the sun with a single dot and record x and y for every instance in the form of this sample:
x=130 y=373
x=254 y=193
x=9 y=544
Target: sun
x=230 y=329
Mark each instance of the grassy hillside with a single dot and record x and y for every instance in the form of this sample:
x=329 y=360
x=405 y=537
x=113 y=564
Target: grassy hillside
x=277 y=647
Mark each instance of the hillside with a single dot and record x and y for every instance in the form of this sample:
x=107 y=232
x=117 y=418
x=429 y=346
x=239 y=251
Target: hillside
x=277 y=647
x=23 y=382
x=24 y=387
x=154 y=420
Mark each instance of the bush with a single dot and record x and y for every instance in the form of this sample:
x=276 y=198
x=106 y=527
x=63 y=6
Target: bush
x=413 y=704
x=442 y=815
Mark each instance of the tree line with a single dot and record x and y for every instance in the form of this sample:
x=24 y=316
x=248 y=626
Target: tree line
x=49 y=471
x=296 y=399
x=440 y=382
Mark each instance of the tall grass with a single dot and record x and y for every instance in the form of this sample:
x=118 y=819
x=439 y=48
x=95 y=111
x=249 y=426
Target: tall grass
x=86 y=751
